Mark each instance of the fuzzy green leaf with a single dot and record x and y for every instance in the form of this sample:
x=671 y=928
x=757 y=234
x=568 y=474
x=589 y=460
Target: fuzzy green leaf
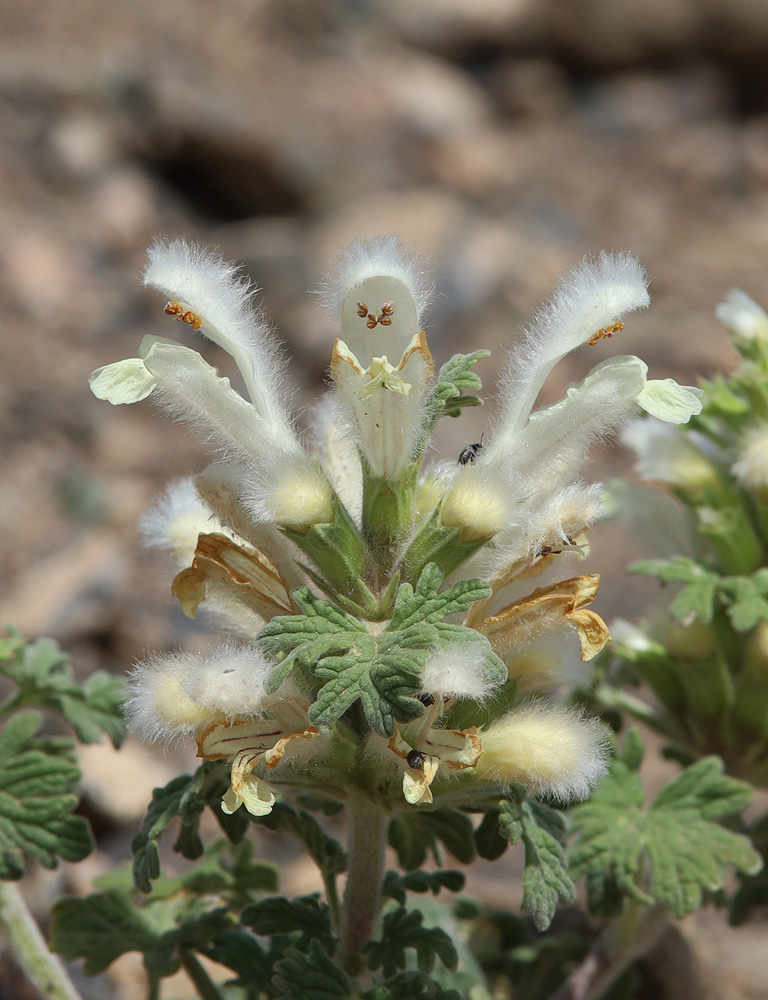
x=38 y=792
x=242 y=953
x=106 y=925
x=697 y=599
x=326 y=852
x=402 y=929
x=447 y=399
x=410 y=986
x=753 y=891
x=45 y=680
x=396 y=886
x=305 y=916
x=424 y=604
x=310 y=977
x=412 y=834
x=670 y=854
x=546 y=879
x=185 y=796
x=748 y=599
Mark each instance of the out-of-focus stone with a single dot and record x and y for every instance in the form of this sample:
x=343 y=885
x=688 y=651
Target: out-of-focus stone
x=456 y=24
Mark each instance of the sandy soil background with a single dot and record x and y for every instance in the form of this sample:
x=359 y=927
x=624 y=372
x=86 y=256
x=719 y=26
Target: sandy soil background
x=507 y=138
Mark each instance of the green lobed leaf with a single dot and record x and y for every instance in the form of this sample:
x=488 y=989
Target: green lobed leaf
x=314 y=976
x=185 y=796
x=447 y=399
x=45 y=680
x=396 y=886
x=326 y=852
x=546 y=880
x=106 y=925
x=305 y=916
x=242 y=953
x=410 y=986
x=697 y=599
x=412 y=834
x=671 y=853
x=38 y=793
x=753 y=891
x=381 y=671
x=403 y=930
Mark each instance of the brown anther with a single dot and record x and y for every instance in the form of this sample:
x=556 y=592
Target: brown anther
x=362 y=309
x=172 y=308
x=371 y=321
x=191 y=319
x=606 y=331
x=387 y=309
x=385 y=320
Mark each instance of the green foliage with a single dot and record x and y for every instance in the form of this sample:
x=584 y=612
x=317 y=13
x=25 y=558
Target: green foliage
x=403 y=930
x=38 y=792
x=186 y=797
x=671 y=853
x=312 y=976
x=412 y=834
x=326 y=852
x=382 y=671
x=744 y=597
x=753 y=891
x=305 y=916
x=410 y=986
x=45 y=680
x=396 y=886
x=447 y=398
x=542 y=831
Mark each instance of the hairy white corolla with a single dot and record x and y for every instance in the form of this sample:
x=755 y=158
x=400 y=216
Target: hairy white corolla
x=742 y=316
x=751 y=466
x=294 y=494
x=176 y=518
x=668 y=455
x=208 y=294
x=381 y=364
x=550 y=750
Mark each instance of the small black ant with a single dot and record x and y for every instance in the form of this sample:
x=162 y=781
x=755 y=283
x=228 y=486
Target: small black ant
x=469 y=454
x=415 y=759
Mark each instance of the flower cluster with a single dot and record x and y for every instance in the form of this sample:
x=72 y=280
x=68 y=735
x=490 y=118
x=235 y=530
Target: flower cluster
x=395 y=620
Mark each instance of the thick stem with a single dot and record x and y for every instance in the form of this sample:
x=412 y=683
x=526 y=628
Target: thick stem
x=365 y=871
x=44 y=970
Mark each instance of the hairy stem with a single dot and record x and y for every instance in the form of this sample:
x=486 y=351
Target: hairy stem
x=44 y=970
x=206 y=988
x=365 y=870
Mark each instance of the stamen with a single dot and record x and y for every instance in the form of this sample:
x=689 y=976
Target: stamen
x=606 y=331
x=185 y=315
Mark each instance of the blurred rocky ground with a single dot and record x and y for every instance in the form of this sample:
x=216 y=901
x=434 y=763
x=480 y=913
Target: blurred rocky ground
x=507 y=138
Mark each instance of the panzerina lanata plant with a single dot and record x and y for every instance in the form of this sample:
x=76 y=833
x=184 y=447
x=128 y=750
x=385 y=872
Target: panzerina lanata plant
x=397 y=624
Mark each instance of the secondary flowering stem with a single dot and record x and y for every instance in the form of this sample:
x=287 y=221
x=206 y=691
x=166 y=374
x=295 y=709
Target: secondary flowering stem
x=44 y=970
x=365 y=870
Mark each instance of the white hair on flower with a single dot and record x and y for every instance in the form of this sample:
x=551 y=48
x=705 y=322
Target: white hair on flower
x=457 y=671
x=230 y=681
x=382 y=255
x=220 y=301
x=585 y=306
x=552 y=750
x=174 y=520
x=159 y=707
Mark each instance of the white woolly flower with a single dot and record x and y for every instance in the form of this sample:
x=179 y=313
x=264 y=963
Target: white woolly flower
x=743 y=316
x=751 y=467
x=175 y=520
x=381 y=365
x=551 y=750
x=457 y=671
x=221 y=302
x=293 y=493
x=669 y=455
